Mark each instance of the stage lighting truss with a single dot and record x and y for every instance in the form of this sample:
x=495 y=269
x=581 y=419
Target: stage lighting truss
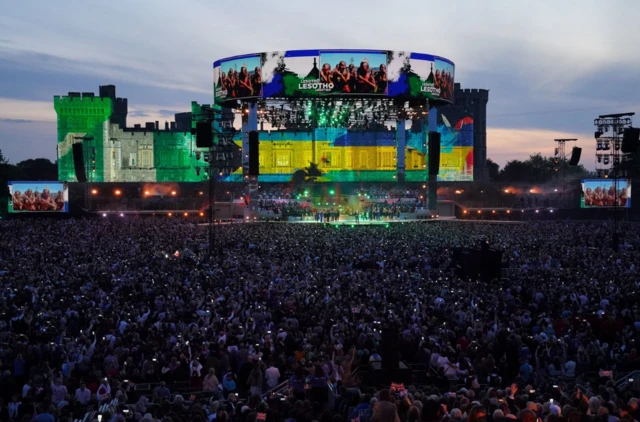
x=354 y=114
x=608 y=136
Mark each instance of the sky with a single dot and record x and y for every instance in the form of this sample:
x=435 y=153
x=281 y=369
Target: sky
x=551 y=66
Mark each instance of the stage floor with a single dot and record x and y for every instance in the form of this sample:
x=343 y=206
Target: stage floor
x=352 y=222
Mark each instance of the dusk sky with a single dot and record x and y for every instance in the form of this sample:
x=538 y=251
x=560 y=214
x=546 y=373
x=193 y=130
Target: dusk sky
x=551 y=66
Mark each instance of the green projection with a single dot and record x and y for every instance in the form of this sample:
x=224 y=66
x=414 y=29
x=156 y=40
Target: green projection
x=176 y=157
x=82 y=120
x=114 y=154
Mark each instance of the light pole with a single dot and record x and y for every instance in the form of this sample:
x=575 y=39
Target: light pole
x=222 y=145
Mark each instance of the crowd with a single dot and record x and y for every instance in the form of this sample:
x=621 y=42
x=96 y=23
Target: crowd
x=134 y=315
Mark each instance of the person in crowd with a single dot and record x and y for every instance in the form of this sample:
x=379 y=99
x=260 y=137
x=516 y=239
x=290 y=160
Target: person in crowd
x=98 y=307
x=210 y=381
x=83 y=394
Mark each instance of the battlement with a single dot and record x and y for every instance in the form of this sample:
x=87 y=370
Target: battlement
x=473 y=94
x=83 y=106
x=170 y=127
x=476 y=91
x=80 y=99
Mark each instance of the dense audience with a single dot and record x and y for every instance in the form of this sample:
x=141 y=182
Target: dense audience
x=133 y=320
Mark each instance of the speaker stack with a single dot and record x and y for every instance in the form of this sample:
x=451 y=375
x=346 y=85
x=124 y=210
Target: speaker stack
x=254 y=153
x=204 y=135
x=575 y=156
x=78 y=162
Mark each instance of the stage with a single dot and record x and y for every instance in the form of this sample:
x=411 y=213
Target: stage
x=352 y=223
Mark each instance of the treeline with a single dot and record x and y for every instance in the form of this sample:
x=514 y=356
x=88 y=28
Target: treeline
x=536 y=169
x=31 y=169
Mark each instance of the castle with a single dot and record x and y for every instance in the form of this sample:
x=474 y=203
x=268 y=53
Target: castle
x=113 y=152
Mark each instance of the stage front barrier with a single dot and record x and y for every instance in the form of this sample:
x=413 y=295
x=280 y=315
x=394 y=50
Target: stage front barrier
x=251 y=214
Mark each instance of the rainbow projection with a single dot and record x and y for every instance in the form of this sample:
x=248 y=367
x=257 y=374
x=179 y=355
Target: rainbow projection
x=365 y=156
x=456 y=145
x=339 y=155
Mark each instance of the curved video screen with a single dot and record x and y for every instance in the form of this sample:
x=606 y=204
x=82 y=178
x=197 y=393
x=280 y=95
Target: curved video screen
x=314 y=73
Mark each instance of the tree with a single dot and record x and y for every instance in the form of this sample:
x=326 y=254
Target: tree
x=542 y=169
x=578 y=172
x=38 y=169
x=538 y=169
x=493 y=169
x=6 y=171
x=516 y=171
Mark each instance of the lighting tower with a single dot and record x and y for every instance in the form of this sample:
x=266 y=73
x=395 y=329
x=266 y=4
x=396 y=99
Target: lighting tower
x=560 y=162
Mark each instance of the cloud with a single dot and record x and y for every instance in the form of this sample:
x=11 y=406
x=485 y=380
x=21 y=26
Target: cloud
x=15 y=120
x=14 y=109
x=548 y=72
x=24 y=111
x=142 y=113
x=166 y=112
x=137 y=113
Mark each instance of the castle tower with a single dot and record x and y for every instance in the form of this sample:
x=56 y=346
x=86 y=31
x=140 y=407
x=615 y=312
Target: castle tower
x=475 y=100
x=82 y=118
x=120 y=105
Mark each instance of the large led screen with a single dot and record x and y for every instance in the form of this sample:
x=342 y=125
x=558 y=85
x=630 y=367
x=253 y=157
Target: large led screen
x=310 y=73
x=238 y=78
x=38 y=197
x=354 y=72
x=606 y=193
x=313 y=73
x=292 y=74
x=419 y=75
